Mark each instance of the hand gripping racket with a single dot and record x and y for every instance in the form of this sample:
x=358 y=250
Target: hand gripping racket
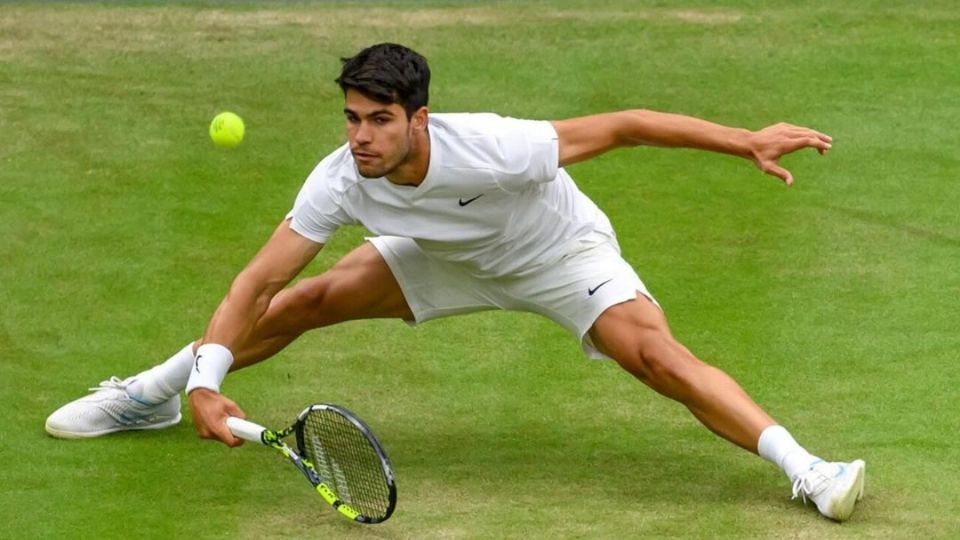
x=339 y=455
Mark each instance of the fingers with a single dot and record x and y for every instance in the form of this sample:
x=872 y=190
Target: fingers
x=220 y=432
x=804 y=138
x=225 y=436
x=235 y=410
x=773 y=142
x=822 y=137
x=210 y=413
x=774 y=169
x=809 y=138
x=818 y=143
x=791 y=138
x=800 y=131
x=232 y=410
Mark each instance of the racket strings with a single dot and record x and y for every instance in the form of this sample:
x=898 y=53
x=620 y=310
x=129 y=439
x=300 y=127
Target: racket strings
x=347 y=461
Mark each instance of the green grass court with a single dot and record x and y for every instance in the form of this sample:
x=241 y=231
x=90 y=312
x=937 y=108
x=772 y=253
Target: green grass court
x=834 y=303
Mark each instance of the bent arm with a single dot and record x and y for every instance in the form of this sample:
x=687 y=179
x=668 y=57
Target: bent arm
x=589 y=136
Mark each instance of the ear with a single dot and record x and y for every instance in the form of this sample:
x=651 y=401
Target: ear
x=418 y=121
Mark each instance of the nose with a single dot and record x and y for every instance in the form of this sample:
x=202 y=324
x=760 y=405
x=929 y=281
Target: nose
x=363 y=134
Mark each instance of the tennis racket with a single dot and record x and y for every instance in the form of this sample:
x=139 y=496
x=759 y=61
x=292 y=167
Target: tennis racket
x=339 y=455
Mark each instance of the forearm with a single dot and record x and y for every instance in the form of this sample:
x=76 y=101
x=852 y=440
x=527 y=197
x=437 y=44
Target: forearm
x=238 y=312
x=277 y=263
x=589 y=136
x=643 y=127
x=231 y=324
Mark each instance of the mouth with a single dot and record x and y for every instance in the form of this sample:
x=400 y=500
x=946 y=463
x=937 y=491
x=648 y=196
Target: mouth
x=364 y=156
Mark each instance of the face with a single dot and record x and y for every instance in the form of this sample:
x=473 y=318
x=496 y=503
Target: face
x=380 y=135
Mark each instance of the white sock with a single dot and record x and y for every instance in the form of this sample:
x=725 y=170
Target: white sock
x=164 y=381
x=777 y=446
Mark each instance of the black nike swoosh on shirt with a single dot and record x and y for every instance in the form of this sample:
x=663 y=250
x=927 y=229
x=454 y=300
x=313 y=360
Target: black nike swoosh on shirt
x=593 y=290
x=196 y=364
x=468 y=201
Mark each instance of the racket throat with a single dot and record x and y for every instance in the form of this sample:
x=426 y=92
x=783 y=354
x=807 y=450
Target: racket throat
x=335 y=501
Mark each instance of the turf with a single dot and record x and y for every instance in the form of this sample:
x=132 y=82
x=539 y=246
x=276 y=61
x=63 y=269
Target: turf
x=833 y=302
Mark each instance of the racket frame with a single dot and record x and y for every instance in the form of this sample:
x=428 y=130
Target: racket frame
x=253 y=432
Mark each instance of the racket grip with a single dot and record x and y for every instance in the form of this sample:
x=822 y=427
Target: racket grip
x=246 y=429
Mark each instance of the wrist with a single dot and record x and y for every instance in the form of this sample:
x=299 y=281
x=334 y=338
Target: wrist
x=742 y=144
x=210 y=367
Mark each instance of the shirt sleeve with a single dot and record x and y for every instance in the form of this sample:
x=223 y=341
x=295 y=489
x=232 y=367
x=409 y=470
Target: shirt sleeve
x=530 y=151
x=318 y=210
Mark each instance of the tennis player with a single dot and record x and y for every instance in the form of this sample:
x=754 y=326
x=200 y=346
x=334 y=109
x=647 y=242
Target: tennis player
x=469 y=212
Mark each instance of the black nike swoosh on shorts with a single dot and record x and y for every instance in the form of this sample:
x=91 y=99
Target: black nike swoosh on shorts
x=468 y=201
x=593 y=290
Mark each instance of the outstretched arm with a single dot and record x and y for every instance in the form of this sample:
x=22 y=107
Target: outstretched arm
x=284 y=255
x=278 y=262
x=589 y=136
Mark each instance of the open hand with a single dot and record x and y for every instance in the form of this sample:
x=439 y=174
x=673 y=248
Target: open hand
x=210 y=413
x=769 y=144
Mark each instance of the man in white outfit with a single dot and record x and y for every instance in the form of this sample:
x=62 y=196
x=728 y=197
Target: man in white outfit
x=470 y=212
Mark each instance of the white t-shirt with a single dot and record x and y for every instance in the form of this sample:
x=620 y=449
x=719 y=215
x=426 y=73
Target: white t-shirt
x=494 y=198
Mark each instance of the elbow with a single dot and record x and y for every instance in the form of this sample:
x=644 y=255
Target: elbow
x=633 y=126
x=639 y=115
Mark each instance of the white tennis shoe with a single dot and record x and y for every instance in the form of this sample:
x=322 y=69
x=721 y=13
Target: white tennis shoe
x=834 y=487
x=108 y=409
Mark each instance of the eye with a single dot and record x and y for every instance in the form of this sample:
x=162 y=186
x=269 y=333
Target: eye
x=381 y=120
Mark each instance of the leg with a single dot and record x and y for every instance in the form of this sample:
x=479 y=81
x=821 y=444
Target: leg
x=599 y=298
x=636 y=335
x=359 y=286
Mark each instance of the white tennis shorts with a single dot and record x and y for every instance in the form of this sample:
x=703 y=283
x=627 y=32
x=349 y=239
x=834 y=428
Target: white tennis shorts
x=573 y=292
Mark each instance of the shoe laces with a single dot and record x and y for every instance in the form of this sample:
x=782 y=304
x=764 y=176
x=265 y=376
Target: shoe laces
x=811 y=482
x=113 y=383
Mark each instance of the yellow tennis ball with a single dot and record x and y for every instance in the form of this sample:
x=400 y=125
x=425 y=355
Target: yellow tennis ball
x=226 y=130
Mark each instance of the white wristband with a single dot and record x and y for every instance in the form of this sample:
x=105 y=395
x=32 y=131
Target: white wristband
x=209 y=367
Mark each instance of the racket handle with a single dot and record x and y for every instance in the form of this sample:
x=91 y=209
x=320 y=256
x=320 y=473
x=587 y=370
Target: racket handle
x=246 y=429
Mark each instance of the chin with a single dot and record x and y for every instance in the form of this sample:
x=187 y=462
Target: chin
x=369 y=173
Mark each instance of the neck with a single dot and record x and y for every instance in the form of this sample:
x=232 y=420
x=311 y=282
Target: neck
x=414 y=169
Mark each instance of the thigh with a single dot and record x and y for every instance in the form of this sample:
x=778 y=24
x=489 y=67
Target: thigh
x=577 y=290
x=358 y=286
x=624 y=330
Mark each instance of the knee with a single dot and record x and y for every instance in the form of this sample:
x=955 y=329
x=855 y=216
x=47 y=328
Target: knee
x=304 y=305
x=659 y=360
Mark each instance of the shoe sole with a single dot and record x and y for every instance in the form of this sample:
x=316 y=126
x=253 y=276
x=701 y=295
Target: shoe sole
x=860 y=481
x=60 y=434
x=843 y=506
